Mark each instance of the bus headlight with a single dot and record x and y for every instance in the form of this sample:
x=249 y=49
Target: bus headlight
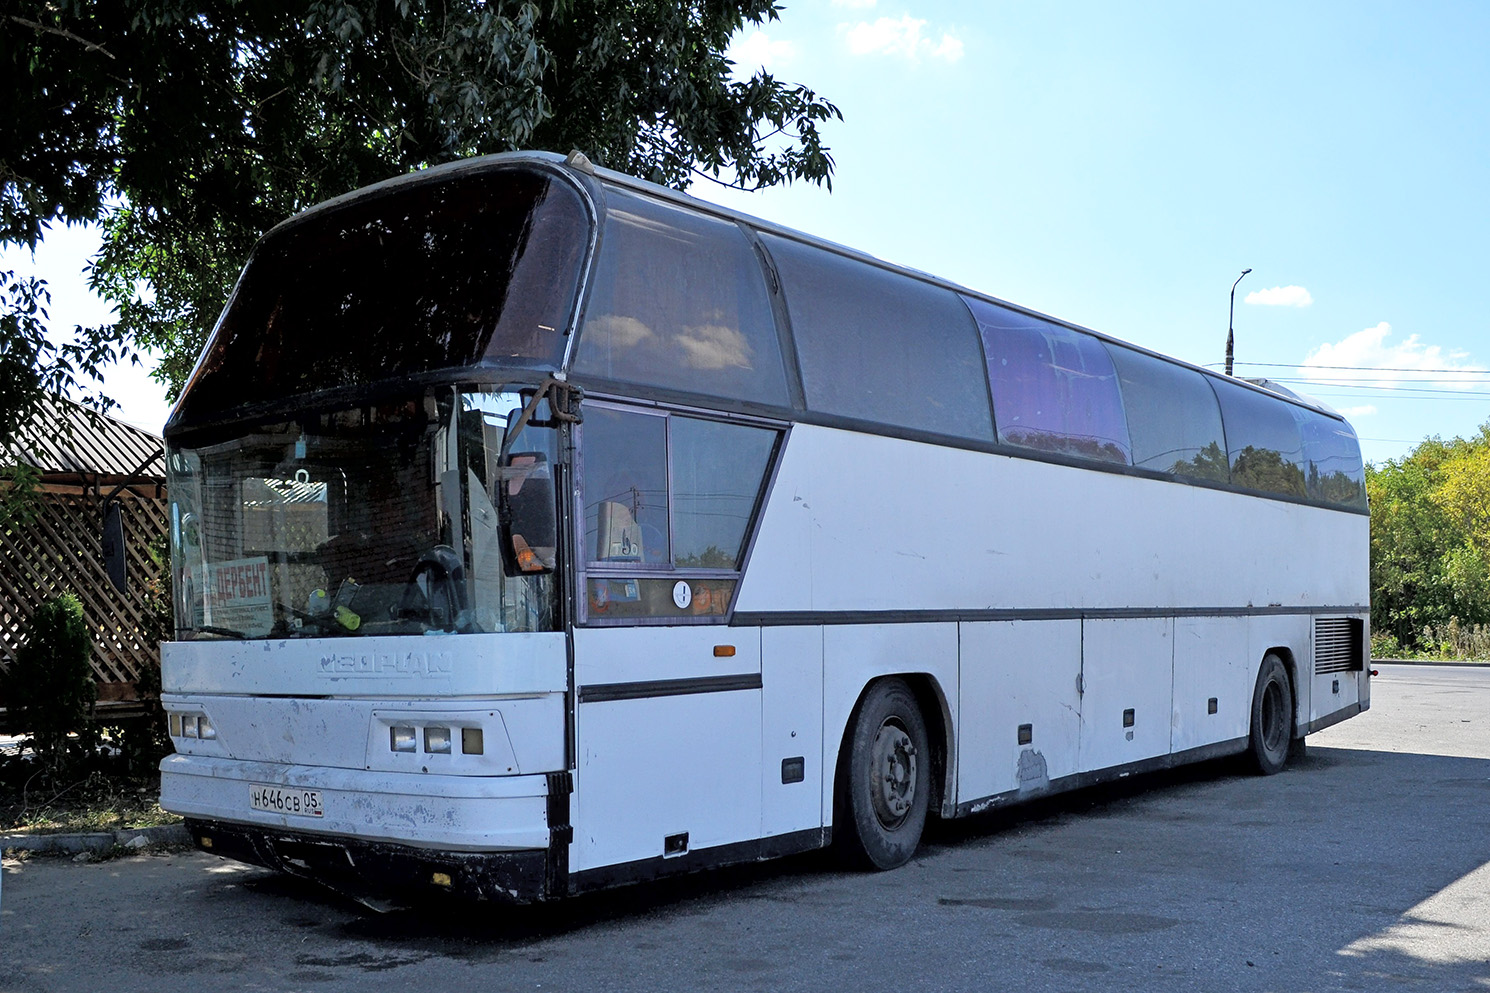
x=437 y=740
x=401 y=739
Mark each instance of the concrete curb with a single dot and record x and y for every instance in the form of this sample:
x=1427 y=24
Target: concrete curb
x=1461 y=665
x=97 y=841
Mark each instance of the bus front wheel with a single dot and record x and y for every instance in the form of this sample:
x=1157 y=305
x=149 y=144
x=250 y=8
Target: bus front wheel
x=1272 y=717
x=884 y=781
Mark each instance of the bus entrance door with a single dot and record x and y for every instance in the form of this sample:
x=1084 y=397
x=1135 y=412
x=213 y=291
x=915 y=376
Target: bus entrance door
x=668 y=731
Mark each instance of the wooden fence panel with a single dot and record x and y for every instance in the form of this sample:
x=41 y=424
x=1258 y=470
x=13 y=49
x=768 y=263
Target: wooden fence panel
x=62 y=552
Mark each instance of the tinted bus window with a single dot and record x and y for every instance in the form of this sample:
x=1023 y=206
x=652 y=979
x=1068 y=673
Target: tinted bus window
x=1173 y=419
x=428 y=276
x=626 y=495
x=1263 y=440
x=1335 y=472
x=668 y=499
x=1054 y=389
x=717 y=472
x=679 y=301
x=879 y=346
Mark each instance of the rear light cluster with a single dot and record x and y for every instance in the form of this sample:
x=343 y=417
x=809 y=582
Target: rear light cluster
x=195 y=725
x=437 y=740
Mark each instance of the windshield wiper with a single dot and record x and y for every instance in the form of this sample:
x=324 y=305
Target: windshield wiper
x=225 y=632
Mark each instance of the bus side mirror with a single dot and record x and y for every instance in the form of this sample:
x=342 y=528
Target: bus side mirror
x=530 y=526
x=113 y=547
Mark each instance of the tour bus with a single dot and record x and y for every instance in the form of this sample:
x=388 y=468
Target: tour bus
x=536 y=528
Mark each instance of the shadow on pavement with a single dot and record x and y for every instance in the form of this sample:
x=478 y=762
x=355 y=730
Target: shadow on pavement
x=1352 y=869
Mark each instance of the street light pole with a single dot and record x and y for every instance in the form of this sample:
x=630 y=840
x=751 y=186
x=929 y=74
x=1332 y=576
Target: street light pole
x=1231 y=319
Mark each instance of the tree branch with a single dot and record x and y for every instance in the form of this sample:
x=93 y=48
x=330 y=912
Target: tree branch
x=88 y=46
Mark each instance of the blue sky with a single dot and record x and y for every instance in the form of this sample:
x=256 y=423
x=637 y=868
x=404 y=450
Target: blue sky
x=1119 y=165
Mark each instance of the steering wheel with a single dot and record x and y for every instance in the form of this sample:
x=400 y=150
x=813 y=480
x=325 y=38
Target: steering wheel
x=436 y=592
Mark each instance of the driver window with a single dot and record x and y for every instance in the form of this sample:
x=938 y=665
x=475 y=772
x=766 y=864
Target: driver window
x=668 y=502
x=626 y=496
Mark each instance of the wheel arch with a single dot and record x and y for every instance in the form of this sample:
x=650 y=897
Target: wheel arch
x=937 y=712
x=1290 y=666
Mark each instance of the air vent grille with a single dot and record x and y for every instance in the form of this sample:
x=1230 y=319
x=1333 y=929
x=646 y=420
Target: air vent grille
x=1339 y=644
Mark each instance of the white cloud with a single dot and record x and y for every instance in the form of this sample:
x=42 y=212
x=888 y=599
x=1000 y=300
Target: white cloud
x=1409 y=362
x=899 y=38
x=714 y=346
x=1281 y=296
x=855 y=4
x=758 y=50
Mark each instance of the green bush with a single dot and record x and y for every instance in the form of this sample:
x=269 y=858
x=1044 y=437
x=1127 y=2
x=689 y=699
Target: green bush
x=50 y=689
x=1386 y=646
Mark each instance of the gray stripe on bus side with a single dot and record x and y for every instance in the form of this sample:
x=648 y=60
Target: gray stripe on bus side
x=784 y=618
x=602 y=692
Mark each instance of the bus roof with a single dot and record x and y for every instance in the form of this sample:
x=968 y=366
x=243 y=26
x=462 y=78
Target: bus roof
x=577 y=165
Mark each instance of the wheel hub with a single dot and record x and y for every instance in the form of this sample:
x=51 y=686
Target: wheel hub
x=1274 y=720
x=893 y=790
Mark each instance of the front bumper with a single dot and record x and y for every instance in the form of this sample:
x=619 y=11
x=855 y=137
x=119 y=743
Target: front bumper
x=449 y=813
x=373 y=872
x=384 y=834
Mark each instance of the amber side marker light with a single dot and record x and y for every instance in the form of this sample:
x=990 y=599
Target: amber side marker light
x=724 y=651
x=527 y=559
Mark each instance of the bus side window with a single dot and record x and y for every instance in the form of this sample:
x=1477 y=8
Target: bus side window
x=668 y=503
x=1054 y=389
x=680 y=302
x=881 y=346
x=718 y=469
x=1332 y=456
x=1173 y=418
x=1266 y=449
x=626 y=495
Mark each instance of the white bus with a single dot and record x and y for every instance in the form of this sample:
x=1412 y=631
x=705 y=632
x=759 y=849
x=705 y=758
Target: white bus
x=536 y=529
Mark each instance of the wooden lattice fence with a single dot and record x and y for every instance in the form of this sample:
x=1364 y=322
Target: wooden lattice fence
x=61 y=552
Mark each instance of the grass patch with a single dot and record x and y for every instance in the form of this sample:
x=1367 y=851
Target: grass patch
x=97 y=801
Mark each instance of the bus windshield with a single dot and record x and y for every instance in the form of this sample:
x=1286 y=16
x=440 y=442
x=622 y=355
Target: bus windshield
x=377 y=519
x=466 y=271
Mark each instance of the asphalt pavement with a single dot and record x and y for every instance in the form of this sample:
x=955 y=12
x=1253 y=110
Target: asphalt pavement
x=1363 y=866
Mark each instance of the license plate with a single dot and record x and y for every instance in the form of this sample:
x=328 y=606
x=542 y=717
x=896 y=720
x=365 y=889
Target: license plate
x=285 y=800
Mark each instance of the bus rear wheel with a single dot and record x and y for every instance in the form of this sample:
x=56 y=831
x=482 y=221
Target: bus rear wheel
x=884 y=781
x=1272 y=718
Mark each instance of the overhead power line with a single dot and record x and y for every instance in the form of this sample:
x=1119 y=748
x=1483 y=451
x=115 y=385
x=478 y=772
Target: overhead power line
x=1357 y=368
x=1335 y=384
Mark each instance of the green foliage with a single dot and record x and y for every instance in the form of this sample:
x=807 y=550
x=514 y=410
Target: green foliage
x=30 y=367
x=50 y=690
x=189 y=128
x=1265 y=469
x=1210 y=462
x=20 y=495
x=1385 y=646
x=712 y=557
x=1430 y=540
x=1457 y=641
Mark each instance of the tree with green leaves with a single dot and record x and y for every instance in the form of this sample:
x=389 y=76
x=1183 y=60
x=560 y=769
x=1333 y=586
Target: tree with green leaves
x=1430 y=538
x=187 y=128
x=50 y=689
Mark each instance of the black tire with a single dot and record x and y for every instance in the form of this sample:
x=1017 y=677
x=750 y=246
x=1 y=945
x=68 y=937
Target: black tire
x=1271 y=736
x=884 y=779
